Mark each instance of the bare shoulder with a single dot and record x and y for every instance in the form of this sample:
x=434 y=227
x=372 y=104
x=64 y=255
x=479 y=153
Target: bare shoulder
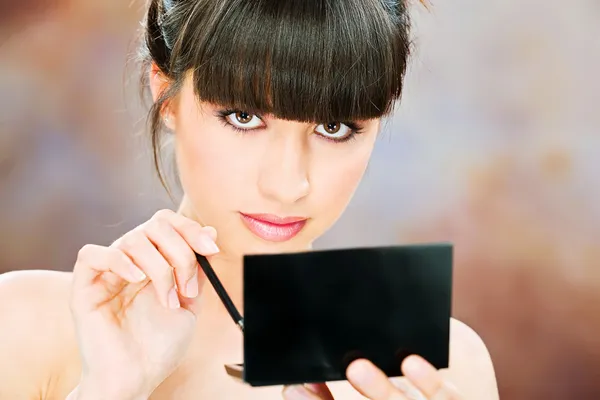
x=37 y=338
x=471 y=367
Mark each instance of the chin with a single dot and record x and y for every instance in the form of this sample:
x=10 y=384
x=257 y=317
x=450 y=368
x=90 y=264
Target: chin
x=257 y=245
x=278 y=248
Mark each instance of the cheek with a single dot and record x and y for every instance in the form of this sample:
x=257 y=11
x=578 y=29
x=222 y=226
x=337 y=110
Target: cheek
x=200 y=161
x=211 y=165
x=333 y=189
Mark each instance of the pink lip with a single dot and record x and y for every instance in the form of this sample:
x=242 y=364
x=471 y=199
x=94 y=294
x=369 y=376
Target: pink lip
x=273 y=228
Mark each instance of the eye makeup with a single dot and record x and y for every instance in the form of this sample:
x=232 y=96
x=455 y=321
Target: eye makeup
x=224 y=116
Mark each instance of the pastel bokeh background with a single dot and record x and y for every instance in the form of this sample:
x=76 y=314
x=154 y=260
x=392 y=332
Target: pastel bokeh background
x=495 y=147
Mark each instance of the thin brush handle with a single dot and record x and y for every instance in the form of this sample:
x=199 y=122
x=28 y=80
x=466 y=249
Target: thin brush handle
x=218 y=286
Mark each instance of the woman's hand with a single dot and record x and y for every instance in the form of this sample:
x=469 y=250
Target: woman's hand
x=130 y=305
x=371 y=382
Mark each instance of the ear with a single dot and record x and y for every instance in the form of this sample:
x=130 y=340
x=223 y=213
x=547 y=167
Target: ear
x=159 y=83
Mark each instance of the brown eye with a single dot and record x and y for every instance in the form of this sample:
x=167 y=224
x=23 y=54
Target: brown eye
x=332 y=127
x=244 y=120
x=243 y=117
x=336 y=131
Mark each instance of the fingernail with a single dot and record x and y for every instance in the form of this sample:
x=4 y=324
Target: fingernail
x=191 y=288
x=408 y=391
x=173 y=298
x=361 y=372
x=414 y=394
x=136 y=273
x=297 y=392
x=209 y=245
x=400 y=384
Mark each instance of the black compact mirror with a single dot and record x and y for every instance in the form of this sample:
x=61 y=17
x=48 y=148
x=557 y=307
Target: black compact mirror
x=307 y=316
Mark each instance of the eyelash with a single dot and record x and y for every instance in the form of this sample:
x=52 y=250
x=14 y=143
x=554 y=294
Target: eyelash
x=355 y=129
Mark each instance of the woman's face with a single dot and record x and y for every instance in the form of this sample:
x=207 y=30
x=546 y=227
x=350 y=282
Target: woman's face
x=267 y=185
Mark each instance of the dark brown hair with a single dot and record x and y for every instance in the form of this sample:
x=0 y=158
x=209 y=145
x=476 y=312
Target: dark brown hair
x=302 y=60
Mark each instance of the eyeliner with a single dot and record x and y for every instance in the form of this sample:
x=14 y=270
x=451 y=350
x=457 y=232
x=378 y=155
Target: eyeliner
x=223 y=295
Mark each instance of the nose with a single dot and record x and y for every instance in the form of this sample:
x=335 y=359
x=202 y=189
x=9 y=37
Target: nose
x=283 y=173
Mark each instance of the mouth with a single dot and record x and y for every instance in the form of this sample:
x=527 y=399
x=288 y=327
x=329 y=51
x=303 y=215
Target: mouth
x=273 y=228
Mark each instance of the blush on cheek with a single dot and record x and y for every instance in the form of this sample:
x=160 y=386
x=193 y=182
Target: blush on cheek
x=204 y=146
x=349 y=181
x=334 y=191
x=213 y=167
x=203 y=173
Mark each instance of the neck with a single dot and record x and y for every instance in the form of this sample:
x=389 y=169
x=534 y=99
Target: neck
x=230 y=273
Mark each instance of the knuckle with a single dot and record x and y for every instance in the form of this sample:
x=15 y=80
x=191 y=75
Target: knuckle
x=192 y=263
x=164 y=214
x=188 y=265
x=166 y=275
x=193 y=228
x=85 y=252
x=159 y=222
x=182 y=262
x=94 y=256
x=155 y=226
x=186 y=222
x=87 y=257
x=130 y=240
x=116 y=256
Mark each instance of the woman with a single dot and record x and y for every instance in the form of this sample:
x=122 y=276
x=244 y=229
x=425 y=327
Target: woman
x=274 y=107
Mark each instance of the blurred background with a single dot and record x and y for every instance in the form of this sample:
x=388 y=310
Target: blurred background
x=495 y=148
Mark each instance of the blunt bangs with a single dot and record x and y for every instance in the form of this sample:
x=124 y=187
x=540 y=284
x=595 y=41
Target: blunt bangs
x=301 y=60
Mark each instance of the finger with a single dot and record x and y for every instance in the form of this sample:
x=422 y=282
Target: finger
x=371 y=382
x=201 y=239
x=427 y=379
x=301 y=392
x=93 y=261
x=145 y=255
x=177 y=252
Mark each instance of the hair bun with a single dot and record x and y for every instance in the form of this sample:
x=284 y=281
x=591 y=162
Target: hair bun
x=156 y=42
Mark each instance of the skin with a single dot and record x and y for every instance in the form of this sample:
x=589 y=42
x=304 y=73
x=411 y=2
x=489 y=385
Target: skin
x=136 y=320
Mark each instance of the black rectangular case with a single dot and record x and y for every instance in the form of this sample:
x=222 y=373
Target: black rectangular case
x=308 y=315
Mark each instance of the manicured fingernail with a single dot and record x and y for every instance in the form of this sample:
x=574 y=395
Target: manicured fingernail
x=361 y=372
x=191 y=288
x=173 y=299
x=414 y=394
x=297 y=392
x=400 y=384
x=208 y=245
x=408 y=391
x=136 y=273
